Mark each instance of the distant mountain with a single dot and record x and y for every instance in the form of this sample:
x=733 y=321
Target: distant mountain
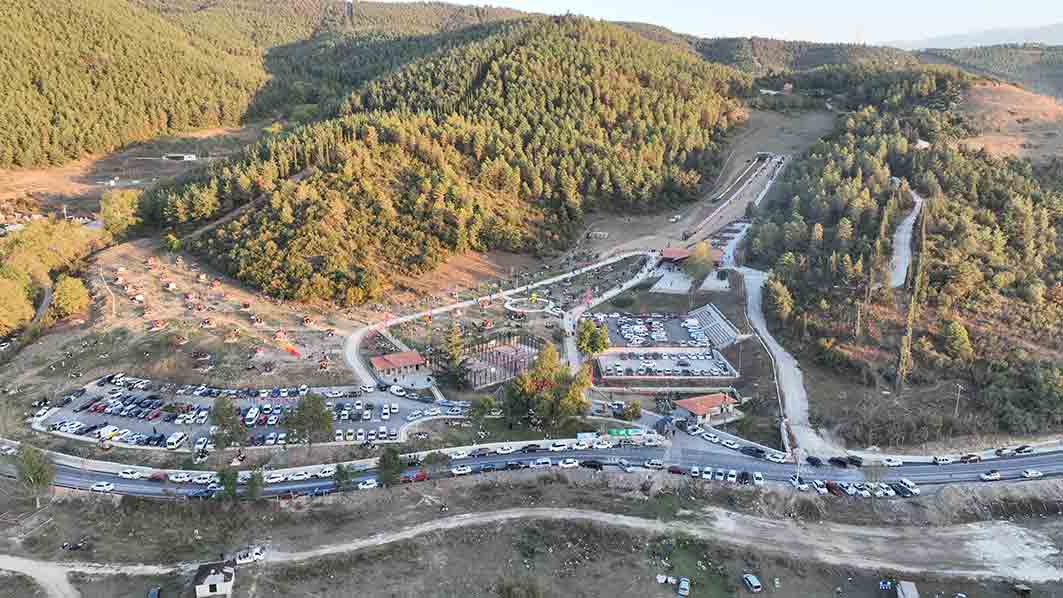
x=1047 y=34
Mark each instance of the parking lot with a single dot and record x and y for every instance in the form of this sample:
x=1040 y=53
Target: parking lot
x=672 y=363
x=139 y=412
x=651 y=330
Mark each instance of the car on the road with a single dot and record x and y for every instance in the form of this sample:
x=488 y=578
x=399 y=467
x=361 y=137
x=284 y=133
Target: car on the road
x=179 y=477
x=505 y=449
x=838 y=462
x=459 y=455
x=695 y=430
x=544 y=462
x=602 y=444
x=558 y=447
x=461 y=470
x=7 y=450
x=203 y=479
x=1032 y=474
x=695 y=471
x=730 y=444
x=129 y=474
x=367 y=388
x=752 y=583
x=990 y=476
x=942 y=460
x=368 y=484
x=418 y=476
x=568 y=463
x=709 y=436
x=758 y=478
x=299 y=476
x=592 y=464
x=1024 y=450
x=732 y=476
x=1004 y=451
x=776 y=457
x=683 y=589
x=971 y=458
x=326 y=472
x=819 y=486
x=656 y=464
x=103 y=487
x=397 y=390
x=892 y=462
x=273 y=478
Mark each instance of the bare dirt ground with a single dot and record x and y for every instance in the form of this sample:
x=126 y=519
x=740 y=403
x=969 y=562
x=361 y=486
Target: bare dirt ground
x=17 y=585
x=1016 y=122
x=80 y=183
x=203 y=313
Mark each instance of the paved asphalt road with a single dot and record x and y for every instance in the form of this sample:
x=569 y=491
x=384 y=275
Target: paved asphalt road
x=1049 y=463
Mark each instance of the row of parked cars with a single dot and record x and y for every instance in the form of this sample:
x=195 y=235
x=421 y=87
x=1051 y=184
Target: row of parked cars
x=748 y=449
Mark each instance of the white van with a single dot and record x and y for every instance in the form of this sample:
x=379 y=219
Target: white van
x=175 y=440
x=910 y=485
x=252 y=415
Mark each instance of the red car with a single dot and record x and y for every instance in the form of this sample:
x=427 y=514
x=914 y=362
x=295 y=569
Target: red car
x=262 y=420
x=420 y=476
x=154 y=415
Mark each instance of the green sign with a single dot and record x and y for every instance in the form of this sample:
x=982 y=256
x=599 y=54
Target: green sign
x=623 y=431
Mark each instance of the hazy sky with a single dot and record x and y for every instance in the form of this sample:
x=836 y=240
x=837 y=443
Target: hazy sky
x=868 y=21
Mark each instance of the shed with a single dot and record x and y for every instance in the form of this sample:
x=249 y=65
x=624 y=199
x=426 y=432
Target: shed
x=215 y=579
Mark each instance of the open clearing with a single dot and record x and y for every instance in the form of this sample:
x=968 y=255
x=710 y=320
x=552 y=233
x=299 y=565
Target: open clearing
x=80 y=183
x=1015 y=122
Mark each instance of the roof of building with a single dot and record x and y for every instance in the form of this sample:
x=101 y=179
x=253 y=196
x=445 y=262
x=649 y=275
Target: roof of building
x=396 y=360
x=675 y=253
x=215 y=573
x=706 y=403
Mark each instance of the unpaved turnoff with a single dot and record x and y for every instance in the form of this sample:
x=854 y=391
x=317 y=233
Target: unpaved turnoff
x=902 y=245
x=52 y=577
x=978 y=550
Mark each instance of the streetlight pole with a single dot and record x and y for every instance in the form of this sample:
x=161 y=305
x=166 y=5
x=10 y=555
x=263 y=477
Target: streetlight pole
x=956 y=412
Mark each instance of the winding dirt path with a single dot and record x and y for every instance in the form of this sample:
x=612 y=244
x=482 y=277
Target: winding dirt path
x=52 y=577
x=979 y=550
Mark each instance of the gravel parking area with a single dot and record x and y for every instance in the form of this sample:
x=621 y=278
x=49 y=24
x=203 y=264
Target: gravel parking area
x=658 y=329
x=142 y=413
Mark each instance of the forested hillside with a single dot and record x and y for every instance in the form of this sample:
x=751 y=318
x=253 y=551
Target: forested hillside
x=499 y=143
x=984 y=301
x=1034 y=66
x=90 y=76
x=759 y=55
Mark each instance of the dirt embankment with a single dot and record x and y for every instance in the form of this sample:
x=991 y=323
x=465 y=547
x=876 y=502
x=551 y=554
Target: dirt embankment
x=1015 y=122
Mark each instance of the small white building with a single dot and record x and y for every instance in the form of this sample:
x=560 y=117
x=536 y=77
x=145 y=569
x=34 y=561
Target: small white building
x=215 y=579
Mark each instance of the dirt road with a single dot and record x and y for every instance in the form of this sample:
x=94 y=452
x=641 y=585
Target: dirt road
x=52 y=577
x=902 y=245
x=981 y=550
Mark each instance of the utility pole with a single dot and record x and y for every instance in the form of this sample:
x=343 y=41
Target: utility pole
x=956 y=413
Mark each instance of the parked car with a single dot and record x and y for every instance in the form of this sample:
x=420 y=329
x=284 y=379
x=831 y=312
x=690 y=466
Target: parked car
x=752 y=583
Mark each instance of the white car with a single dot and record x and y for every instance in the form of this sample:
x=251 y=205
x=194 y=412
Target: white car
x=505 y=450
x=711 y=437
x=461 y=470
x=367 y=388
x=732 y=476
x=651 y=441
x=397 y=390
x=568 y=463
x=368 y=484
x=544 y=462
x=892 y=462
x=942 y=460
x=695 y=431
x=819 y=486
x=990 y=476
x=252 y=554
x=433 y=412
x=326 y=472
x=273 y=478
x=557 y=447
x=459 y=455
x=776 y=457
x=299 y=476
x=129 y=474
x=102 y=487
x=730 y=444
x=8 y=450
x=758 y=478
x=179 y=477
x=1031 y=474
x=602 y=444
x=580 y=445
x=203 y=479
x=654 y=464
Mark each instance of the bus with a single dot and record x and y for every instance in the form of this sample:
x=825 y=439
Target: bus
x=175 y=440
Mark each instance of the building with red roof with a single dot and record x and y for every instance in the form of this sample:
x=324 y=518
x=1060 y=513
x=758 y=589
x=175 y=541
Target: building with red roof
x=702 y=409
